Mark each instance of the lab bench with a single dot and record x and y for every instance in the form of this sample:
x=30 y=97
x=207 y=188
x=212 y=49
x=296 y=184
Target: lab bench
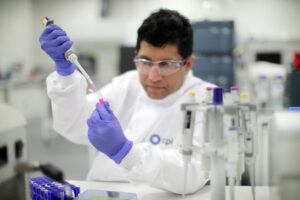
x=146 y=192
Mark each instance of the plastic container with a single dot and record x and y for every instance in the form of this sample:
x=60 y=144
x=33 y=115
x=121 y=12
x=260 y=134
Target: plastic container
x=44 y=188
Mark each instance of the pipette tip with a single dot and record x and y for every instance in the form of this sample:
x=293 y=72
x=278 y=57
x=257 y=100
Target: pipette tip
x=94 y=86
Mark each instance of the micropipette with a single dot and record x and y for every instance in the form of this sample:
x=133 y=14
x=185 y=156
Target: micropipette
x=72 y=57
x=187 y=137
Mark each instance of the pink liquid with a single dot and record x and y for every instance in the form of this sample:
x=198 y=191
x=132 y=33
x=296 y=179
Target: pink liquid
x=96 y=89
x=101 y=101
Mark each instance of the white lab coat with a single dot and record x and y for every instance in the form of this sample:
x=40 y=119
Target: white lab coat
x=153 y=126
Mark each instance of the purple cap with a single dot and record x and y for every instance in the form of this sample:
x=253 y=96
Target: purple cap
x=208 y=88
x=260 y=77
x=218 y=96
x=233 y=88
x=279 y=77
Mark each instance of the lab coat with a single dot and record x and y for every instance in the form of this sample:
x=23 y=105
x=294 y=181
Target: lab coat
x=153 y=125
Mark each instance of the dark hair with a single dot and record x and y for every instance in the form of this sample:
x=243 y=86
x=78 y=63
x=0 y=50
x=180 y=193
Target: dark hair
x=167 y=27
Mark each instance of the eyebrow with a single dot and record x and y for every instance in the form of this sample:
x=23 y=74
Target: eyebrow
x=147 y=58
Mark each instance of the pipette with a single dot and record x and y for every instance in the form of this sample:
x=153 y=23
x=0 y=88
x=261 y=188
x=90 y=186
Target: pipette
x=72 y=57
x=250 y=122
x=187 y=137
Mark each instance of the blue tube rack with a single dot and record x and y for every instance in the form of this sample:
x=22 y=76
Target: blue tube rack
x=44 y=188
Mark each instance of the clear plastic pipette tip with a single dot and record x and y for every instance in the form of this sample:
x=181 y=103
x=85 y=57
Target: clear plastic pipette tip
x=185 y=178
x=75 y=61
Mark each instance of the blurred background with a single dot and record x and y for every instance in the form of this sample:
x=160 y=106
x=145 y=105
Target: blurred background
x=252 y=44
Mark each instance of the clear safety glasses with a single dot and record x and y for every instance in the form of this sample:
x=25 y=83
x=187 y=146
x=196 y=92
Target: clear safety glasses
x=164 y=67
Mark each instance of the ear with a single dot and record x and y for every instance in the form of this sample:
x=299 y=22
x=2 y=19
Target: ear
x=189 y=63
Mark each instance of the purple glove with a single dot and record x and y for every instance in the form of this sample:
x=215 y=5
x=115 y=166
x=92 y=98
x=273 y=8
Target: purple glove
x=55 y=42
x=106 y=134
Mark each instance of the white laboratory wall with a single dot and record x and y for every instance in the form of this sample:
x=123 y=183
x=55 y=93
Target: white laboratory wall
x=20 y=25
x=263 y=19
x=84 y=25
x=106 y=56
x=275 y=20
x=267 y=19
x=135 y=11
x=16 y=49
x=83 y=22
x=15 y=34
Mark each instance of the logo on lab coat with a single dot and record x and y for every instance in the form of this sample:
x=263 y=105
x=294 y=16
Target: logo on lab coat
x=155 y=140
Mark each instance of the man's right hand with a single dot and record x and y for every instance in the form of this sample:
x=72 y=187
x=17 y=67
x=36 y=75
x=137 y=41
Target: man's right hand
x=55 y=42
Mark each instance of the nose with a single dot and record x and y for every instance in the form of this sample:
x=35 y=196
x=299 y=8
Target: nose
x=154 y=74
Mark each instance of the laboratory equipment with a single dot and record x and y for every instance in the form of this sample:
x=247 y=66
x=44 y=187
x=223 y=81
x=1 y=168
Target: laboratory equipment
x=187 y=134
x=267 y=85
x=14 y=164
x=216 y=144
x=229 y=133
x=284 y=155
x=235 y=94
x=277 y=92
x=72 y=57
x=13 y=150
x=297 y=59
x=262 y=91
x=248 y=129
x=209 y=95
x=213 y=49
x=294 y=81
x=49 y=170
x=108 y=195
x=44 y=188
x=215 y=138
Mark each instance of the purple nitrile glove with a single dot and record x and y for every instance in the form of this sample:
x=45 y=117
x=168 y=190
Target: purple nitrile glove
x=106 y=135
x=55 y=42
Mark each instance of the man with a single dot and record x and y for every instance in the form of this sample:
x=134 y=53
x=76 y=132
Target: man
x=137 y=133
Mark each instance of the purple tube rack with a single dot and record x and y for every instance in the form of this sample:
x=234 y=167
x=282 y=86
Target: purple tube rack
x=44 y=188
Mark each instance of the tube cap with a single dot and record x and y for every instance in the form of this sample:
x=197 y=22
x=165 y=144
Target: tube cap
x=218 y=96
x=244 y=95
x=234 y=88
x=192 y=94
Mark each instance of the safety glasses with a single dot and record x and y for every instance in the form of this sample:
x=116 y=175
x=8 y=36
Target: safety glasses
x=164 y=67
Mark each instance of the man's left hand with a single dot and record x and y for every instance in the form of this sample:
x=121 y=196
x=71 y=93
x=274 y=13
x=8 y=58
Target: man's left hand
x=106 y=135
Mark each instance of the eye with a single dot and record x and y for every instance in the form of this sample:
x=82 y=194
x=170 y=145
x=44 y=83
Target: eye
x=164 y=64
